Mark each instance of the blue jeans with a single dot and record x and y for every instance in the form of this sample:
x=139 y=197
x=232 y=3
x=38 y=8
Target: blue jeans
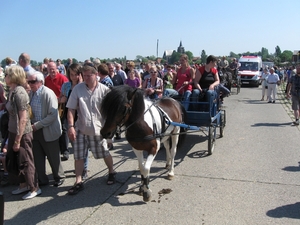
x=185 y=99
x=210 y=95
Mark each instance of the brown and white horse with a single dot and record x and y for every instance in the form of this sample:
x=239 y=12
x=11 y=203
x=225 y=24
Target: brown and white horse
x=147 y=125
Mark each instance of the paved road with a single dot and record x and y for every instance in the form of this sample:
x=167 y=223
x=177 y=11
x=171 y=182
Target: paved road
x=253 y=177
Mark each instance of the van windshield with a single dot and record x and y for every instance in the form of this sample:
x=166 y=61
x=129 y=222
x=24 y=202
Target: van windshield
x=253 y=66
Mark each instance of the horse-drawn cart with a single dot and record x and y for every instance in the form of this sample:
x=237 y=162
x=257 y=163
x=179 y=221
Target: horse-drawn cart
x=149 y=124
x=206 y=119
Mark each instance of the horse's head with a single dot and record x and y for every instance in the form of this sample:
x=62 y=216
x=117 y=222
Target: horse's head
x=116 y=108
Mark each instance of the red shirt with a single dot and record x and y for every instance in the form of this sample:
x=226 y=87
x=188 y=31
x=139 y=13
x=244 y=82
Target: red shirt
x=181 y=78
x=56 y=83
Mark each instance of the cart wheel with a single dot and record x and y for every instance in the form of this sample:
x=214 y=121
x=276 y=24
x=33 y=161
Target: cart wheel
x=211 y=139
x=222 y=123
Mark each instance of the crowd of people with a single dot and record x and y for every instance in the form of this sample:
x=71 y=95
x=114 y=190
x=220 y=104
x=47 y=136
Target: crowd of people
x=55 y=104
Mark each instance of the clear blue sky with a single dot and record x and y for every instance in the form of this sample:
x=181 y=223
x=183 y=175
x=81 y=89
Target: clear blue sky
x=116 y=28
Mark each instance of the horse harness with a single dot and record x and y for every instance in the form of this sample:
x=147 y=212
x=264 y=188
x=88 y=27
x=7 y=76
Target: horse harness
x=165 y=121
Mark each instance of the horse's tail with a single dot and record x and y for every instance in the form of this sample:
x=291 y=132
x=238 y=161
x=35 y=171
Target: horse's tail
x=182 y=130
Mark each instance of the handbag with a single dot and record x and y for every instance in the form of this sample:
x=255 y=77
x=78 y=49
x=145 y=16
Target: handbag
x=30 y=113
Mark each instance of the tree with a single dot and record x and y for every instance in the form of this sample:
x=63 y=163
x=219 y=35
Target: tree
x=190 y=55
x=152 y=58
x=3 y=63
x=175 y=57
x=34 y=63
x=264 y=54
x=286 y=56
x=203 y=56
x=233 y=55
x=277 y=51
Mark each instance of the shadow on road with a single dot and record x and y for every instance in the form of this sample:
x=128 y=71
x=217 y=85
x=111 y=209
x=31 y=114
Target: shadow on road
x=271 y=124
x=292 y=168
x=289 y=211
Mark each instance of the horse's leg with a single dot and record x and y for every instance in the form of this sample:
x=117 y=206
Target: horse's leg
x=140 y=158
x=145 y=171
x=173 y=151
x=168 y=156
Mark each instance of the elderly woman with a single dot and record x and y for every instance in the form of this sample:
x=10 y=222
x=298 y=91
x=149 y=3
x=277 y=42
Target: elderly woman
x=153 y=85
x=20 y=132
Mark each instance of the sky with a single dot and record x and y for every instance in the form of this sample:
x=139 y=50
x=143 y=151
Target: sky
x=82 y=29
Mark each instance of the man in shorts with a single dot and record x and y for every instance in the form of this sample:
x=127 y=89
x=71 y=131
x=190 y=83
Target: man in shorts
x=86 y=99
x=294 y=90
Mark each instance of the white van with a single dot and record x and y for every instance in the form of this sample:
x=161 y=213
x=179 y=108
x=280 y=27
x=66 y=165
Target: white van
x=250 y=69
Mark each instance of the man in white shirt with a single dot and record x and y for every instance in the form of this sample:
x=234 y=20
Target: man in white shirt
x=86 y=99
x=272 y=80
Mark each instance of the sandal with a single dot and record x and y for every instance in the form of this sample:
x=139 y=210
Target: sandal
x=111 y=178
x=76 y=188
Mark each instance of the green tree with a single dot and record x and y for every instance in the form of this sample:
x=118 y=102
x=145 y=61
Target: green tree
x=277 y=51
x=234 y=55
x=190 y=55
x=152 y=58
x=3 y=63
x=175 y=57
x=34 y=63
x=203 y=56
x=264 y=54
x=286 y=56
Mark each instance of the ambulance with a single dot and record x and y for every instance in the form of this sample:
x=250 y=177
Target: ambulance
x=250 y=68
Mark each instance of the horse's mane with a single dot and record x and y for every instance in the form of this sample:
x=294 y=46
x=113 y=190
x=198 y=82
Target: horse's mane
x=115 y=101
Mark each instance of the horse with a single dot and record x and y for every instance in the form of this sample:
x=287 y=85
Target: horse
x=147 y=124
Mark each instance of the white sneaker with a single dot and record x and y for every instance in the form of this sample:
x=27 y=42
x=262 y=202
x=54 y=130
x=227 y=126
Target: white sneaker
x=20 y=190
x=31 y=195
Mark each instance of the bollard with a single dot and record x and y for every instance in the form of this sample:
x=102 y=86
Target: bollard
x=1 y=208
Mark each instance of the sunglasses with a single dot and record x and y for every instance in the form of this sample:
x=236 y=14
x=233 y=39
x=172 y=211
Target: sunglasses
x=153 y=72
x=31 y=81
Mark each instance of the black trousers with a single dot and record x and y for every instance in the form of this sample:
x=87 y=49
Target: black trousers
x=64 y=139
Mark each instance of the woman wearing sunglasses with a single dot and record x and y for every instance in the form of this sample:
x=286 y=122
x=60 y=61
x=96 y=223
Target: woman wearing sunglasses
x=153 y=85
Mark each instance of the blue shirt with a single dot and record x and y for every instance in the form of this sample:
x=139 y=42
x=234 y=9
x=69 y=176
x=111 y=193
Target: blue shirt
x=36 y=105
x=107 y=82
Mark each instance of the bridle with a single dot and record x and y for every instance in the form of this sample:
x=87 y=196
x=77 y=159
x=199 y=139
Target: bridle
x=128 y=109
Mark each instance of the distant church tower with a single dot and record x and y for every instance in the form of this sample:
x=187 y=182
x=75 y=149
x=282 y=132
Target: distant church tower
x=180 y=49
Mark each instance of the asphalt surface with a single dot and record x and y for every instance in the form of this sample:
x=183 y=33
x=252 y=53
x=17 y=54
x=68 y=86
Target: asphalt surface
x=253 y=177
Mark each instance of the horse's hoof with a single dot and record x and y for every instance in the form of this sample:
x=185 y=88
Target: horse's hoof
x=147 y=196
x=170 y=177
